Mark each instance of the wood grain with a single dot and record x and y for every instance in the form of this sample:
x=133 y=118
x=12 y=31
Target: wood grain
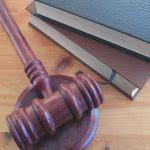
x=123 y=124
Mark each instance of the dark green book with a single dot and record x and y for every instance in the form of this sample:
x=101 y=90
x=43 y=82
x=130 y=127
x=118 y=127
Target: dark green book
x=119 y=22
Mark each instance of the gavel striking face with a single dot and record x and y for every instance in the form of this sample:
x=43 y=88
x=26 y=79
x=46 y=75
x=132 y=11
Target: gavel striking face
x=28 y=125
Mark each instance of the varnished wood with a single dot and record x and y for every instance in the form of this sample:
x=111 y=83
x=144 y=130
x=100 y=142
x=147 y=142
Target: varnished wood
x=122 y=125
x=74 y=135
x=70 y=101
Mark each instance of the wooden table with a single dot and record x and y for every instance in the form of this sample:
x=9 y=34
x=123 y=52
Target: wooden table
x=123 y=124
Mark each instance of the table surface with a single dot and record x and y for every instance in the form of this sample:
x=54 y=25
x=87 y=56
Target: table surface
x=123 y=124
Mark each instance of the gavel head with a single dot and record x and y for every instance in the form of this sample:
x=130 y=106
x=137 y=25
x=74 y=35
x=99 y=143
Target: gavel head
x=28 y=125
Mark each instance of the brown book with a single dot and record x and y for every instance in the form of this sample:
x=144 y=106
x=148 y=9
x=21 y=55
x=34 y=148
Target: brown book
x=126 y=72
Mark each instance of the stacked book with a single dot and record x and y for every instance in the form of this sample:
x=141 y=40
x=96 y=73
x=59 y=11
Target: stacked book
x=111 y=37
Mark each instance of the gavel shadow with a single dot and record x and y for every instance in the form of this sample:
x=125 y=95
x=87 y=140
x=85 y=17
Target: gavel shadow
x=74 y=135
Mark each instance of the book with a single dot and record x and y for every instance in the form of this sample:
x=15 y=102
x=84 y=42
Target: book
x=122 y=23
x=126 y=72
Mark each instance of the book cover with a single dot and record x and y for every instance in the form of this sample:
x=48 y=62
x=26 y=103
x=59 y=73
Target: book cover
x=131 y=17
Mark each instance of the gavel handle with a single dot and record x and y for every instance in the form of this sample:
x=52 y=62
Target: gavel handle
x=18 y=40
x=34 y=68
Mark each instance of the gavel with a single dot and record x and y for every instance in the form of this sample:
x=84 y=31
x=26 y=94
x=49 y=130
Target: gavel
x=28 y=125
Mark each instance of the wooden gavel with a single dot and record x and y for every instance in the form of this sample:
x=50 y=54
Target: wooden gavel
x=28 y=125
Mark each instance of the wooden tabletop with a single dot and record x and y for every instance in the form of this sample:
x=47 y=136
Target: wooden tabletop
x=123 y=124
